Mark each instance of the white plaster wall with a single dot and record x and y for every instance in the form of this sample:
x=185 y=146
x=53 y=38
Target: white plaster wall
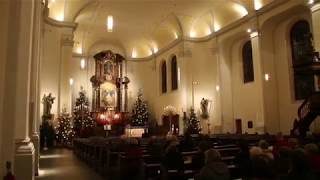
x=50 y=70
x=245 y=95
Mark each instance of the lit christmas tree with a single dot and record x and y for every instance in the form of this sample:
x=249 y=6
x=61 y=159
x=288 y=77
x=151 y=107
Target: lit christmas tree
x=64 y=129
x=194 y=123
x=140 y=114
x=82 y=118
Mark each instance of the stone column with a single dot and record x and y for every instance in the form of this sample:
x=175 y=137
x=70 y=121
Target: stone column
x=315 y=12
x=66 y=91
x=259 y=80
x=35 y=82
x=24 y=148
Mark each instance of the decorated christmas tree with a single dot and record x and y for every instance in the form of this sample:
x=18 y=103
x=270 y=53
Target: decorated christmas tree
x=64 y=129
x=194 y=123
x=82 y=118
x=140 y=114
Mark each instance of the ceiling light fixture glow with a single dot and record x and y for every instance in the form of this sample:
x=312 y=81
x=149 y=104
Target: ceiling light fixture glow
x=257 y=4
x=176 y=35
x=110 y=23
x=79 y=50
x=217 y=27
x=249 y=30
x=155 y=49
x=209 y=31
x=192 y=34
x=311 y=2
x=240 y=9
x=60 y=17
x=134 y=53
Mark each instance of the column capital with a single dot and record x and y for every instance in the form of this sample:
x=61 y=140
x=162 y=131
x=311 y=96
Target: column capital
x=315 y=6
x=67 y=40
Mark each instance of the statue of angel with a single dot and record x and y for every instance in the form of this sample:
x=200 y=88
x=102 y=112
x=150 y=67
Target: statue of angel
x=47 y=102
x=204 y=108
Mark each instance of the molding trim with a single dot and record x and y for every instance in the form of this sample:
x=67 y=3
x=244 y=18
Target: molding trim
x=315 y=7
x=24 y=147
x=62 y=24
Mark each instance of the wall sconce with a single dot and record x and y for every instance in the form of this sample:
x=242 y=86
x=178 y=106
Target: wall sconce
x=71 y=81
x=217 y=88
x=267 y=77
x=82 y=63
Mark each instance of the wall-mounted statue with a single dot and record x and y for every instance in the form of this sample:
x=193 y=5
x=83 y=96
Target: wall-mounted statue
x=204 y=108
x=47 y=102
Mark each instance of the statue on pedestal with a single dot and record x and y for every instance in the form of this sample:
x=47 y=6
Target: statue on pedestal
x=47 y=102
x=204 y=108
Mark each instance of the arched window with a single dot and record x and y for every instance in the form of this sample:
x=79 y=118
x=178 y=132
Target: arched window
x=301 y=45
x=247 y=63
x=174 y=73
x=164 y=77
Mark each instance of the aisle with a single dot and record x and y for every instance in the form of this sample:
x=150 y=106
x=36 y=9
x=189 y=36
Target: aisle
x=61 y=164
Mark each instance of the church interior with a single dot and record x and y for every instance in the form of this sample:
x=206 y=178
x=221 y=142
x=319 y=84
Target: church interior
x=159 y=89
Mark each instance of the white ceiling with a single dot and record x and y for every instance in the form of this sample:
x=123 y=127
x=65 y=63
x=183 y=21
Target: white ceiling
x=146 y=25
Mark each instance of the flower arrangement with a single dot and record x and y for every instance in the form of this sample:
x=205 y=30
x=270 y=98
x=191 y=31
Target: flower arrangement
x=169 y=110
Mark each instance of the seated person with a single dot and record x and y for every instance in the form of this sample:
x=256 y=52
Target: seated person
x=242 y=159
x=313 y=156
x=300 y=168
x=173 y=158
x=187 y=143
x=262 y=168
x=215 y=168
x=264 y=145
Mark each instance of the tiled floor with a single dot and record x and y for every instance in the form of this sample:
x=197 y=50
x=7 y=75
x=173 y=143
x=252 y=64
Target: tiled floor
x=61 y=164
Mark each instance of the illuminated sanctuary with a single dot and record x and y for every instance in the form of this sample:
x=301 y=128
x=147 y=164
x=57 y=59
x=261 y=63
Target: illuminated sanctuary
x=159 y=89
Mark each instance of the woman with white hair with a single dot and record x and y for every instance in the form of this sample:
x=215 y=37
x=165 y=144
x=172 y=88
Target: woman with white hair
x=214 y=167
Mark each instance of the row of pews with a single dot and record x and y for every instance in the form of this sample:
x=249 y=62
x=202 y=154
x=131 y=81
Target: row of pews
x=107 y=156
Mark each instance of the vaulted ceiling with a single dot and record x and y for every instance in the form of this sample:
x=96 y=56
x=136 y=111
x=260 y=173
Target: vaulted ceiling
x=145 y=26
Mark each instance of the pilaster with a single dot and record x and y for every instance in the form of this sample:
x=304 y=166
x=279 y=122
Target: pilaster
x=315 y=13
x=258 y=76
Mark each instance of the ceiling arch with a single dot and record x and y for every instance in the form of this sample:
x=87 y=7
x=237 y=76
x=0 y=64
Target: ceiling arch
x=142 y=27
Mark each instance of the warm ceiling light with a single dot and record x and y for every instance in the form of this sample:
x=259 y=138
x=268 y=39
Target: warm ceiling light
x=209 y=31
x=257 y=4
x=249 y=30
x=254 y=34
x=60 y=17
x=134 y=53
x=240 y=9
x=217 y=27
x=53 y=1
x=79 y=50
x=110 y=23
x=155 y=49
x=192 y=34
x=176 y=35
x=71 y=81
x=82 y=63
x=311 y=2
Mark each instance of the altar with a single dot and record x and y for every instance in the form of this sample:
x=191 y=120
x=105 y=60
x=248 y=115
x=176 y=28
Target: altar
x=109 y=90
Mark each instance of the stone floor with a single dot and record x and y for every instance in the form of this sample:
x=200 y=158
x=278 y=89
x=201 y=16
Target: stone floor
x=61 y=164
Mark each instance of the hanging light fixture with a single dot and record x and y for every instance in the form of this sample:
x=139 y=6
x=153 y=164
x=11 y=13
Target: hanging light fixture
x=110 y=23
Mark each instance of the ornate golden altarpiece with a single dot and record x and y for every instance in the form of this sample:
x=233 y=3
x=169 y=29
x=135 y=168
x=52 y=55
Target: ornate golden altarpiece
x=110 y=86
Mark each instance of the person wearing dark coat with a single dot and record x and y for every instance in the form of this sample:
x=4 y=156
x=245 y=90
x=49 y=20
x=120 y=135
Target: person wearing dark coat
x=214 y=167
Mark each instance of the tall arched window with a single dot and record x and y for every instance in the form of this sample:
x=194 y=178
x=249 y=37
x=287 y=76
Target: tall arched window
x=247 y=63
x=301 y=46
x=174 y=73
x=164 y=77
